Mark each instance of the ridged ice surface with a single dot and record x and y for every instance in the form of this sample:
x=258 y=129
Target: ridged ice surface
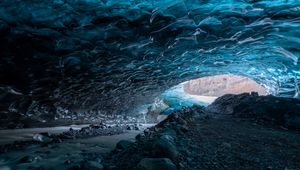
x=113 y=55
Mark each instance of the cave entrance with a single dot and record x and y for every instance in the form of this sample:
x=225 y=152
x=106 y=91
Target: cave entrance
x=203 y=91
x=207 y=89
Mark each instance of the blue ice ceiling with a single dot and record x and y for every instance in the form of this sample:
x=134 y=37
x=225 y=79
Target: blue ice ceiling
x=112 y=55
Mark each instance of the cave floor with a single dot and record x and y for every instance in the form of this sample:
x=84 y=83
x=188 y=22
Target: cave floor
x=63 y=155
x=214 y=141
x=235 y=143
x=11 y=135
x=209 y=141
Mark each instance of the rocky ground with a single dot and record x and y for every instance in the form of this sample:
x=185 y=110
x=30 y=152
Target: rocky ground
x=214 y=138
x=74 y=147
x=244 y=131
x=92 y=130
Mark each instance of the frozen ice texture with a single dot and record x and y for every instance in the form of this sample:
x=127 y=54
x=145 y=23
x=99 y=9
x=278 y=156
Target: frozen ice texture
x=110 y=56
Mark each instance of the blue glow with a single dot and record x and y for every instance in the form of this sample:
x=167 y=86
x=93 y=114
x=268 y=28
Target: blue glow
x=111 y=55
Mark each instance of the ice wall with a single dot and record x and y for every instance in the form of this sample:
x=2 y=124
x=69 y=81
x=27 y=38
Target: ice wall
x=111 y=55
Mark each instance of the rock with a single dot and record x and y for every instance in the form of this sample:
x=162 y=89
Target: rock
x=169 y=132
x=43 y=137
x=139 y=136
x=268 y=110
x=167 y=137
x=147 y=131
x=94 y=126
x=132 y=127
x=226 y=145
x=26 y=159
x=181 y=165
x=165 y=147
x=85 y=130
x=123 y=144
x=67 y=162
x=72 y=64
x=136 y=127
x=128 y=127
x=182 y=128
x=173 y=116
x=292 y=121
x=160 y=118
x=97 y=126
x=156 y=164
x=11 y=125
x=254 y=93
x=181 y=121
x=95 y=164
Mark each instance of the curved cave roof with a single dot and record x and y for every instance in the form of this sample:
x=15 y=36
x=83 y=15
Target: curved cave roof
x=113 y=55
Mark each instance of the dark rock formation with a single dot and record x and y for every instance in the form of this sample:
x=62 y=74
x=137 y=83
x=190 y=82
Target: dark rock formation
x=156 y=147
x=228 y=138
x=165 y=147
x=266 y=109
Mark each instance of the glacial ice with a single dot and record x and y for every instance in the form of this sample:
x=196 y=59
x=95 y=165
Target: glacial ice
x=113 y=55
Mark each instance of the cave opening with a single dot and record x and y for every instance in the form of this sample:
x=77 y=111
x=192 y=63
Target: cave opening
x=202 y=91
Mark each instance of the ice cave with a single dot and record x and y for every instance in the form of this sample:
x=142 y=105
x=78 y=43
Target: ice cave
x=149 y=84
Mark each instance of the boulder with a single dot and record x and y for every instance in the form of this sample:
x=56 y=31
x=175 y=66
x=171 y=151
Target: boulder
x=140 y=136
x=123 y=144
x=156 y=164
x=42 y=137
x=26 y=159
x=165 y=147
x=169 y=131
x=264 y=109
x=182 y=129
